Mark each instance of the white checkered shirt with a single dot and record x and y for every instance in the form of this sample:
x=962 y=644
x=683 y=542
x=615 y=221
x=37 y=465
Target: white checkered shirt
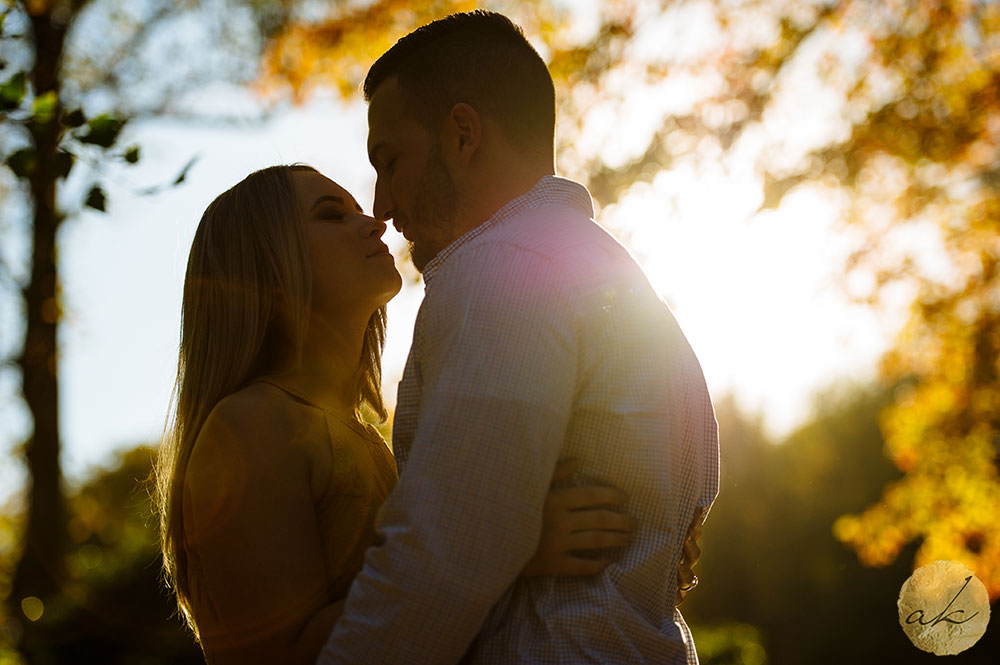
x=539 y=338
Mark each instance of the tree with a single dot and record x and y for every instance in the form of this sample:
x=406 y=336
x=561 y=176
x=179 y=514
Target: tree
x=53 y=132
x=908 y=96
x=771 y=565
x=64 y=102
x=908 y=141
x=111 y=608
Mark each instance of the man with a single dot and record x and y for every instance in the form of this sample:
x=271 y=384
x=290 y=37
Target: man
x=538 y=338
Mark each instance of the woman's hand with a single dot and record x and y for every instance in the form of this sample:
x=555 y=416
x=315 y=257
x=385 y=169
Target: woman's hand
x=686 y=579
x=578 y=525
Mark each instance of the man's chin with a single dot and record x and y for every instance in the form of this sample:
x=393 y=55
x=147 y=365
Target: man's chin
x=418 y=256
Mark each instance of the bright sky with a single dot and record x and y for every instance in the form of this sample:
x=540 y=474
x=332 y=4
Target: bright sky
x=755 y=294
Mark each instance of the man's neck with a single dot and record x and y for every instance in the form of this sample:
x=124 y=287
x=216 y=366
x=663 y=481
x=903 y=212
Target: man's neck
x=496 y=192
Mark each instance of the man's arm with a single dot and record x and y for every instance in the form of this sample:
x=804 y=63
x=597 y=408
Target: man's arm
x=466 y=514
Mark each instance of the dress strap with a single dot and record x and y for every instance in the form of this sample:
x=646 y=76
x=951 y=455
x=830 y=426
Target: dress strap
x=360 y=428
x=294 y=393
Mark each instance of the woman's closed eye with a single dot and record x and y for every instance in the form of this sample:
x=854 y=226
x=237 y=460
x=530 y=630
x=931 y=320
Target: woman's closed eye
x=331 y=214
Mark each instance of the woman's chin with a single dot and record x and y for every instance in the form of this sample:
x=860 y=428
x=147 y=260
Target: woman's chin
x=394 y=289
x=388 y=296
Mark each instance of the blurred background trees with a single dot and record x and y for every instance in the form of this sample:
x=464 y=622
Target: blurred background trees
x=907 y=95
x=48 y=135
x=887 y=110
x=66 y=96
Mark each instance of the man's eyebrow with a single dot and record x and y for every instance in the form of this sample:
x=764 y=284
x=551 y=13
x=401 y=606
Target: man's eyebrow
x=327 y=197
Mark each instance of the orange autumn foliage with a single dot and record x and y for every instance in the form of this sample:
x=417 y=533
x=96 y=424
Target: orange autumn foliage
x=918 y=149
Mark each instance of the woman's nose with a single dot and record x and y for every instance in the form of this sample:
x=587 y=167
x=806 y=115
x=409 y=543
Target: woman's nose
x=372 y=228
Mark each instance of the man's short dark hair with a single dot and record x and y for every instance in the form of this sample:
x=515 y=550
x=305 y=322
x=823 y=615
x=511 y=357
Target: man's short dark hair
x=480 y=58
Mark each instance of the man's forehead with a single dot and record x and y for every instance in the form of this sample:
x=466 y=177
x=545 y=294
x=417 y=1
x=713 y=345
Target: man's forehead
x=379 y=127
x=385 y=105
x=390 y=114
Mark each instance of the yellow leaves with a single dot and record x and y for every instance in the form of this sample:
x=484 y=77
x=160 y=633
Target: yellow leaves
x=942 y=432
x=566 y=63
x=337 y=51
x=876 y=539
x=949 y=498
x=847 y=529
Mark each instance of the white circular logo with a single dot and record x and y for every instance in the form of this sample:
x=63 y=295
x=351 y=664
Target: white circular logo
x=944 y=608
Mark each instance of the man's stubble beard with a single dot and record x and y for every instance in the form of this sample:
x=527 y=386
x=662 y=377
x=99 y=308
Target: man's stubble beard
x=435 y=211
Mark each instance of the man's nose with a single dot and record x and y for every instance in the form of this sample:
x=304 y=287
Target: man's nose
x=382 y=208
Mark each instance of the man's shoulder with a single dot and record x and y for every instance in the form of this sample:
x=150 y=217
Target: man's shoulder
x=551 y=242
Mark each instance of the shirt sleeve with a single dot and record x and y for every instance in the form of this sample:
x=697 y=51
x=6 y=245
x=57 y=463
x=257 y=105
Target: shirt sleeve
x=498 y=381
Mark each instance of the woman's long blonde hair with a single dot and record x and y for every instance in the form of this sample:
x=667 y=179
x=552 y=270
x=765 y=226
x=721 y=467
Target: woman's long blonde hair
x=248 y=271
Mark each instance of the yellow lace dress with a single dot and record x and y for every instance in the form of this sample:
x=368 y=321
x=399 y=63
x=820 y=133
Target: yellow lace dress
x=363 y=474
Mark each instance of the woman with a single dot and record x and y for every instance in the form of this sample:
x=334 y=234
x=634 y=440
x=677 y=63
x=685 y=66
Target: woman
x=269 y=479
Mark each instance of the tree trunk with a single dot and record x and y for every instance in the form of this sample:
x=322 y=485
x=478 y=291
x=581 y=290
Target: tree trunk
x=41 y=569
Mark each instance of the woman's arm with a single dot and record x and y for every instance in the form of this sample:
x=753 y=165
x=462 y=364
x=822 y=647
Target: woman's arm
x=575 y=520
x=314 y=635
x=253 y=536
x=578 y=519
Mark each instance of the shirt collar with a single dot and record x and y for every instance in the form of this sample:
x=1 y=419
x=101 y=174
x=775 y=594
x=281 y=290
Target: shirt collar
x=550 y=190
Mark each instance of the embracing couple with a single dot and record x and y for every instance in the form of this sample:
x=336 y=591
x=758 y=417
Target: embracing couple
x=555 y=442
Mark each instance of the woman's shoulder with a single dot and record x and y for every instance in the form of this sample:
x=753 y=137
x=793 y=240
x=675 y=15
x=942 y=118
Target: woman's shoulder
x=261 y=411
x=254 y=431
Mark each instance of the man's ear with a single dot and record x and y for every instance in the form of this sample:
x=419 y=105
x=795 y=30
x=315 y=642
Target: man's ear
x=464 y=131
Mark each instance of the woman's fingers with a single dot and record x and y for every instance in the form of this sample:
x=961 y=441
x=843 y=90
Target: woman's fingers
x=578 y=521
x=597 y=520
x=692 y=552
x=589 y=496
x=565 y=468
x=686 y=579
x=595 y=540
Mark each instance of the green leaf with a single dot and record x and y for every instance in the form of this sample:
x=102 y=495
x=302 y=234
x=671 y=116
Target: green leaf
x=96 y=199
x=184 y=171
x=12 y=92
x=132 y=154
x=64 y=163
x=22 y=162
x=45 y=107
x=103 y=131
x=74 y=118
